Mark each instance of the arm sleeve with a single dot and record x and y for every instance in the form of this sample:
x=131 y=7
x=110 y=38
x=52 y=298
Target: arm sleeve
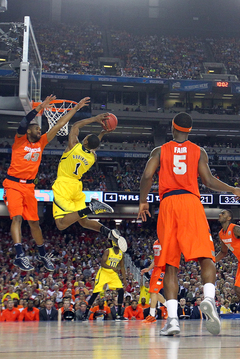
x=22 y=129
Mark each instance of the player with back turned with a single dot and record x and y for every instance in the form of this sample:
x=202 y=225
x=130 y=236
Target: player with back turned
x=19 y=183
x=182 y=225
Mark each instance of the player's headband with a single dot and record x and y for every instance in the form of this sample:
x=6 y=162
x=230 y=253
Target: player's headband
x=179 y=128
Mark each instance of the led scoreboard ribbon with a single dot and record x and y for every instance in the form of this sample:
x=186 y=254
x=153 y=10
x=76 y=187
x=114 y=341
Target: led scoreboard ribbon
x=133 y=197
x=124 y=197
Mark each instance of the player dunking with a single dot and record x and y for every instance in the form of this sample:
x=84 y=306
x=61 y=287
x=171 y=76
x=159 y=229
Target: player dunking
x=230 y=239
x=182 y=225
x=69 y=200
x=107 y=274
x=156 y=283
x=19 y=184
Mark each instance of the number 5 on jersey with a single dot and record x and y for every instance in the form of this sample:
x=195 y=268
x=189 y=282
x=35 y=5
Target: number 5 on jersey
x=180 y=167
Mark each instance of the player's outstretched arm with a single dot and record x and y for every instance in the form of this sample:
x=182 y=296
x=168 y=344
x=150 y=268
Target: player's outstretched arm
x=209 y=180
x=66 y=118
x=73 y=135
x=23 y=126
x=146 y=183
x=146 y=270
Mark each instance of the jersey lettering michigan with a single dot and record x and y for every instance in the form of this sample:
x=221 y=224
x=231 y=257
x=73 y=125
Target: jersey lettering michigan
x=113 y=258
x=75 y=162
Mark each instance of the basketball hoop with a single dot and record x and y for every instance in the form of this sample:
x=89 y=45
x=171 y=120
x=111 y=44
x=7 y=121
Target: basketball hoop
x=58 y=109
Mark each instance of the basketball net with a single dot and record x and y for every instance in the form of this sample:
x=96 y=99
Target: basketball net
x=58 y=109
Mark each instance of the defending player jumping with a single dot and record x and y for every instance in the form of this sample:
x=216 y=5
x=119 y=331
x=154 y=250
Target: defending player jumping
x=19 y=184
x=69 y=200
x=182 y=225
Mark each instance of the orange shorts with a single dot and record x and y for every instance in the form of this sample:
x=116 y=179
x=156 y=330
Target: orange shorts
x=237 y=280
x=20 y=200
x=183 y=228
x=156 y=281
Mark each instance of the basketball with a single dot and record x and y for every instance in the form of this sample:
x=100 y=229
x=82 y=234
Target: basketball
x=110 y=123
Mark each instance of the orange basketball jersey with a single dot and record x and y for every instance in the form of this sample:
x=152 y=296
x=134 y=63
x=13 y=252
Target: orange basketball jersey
x=230 y=240
x=179 y=167
x=157 y=251
x=26 y=157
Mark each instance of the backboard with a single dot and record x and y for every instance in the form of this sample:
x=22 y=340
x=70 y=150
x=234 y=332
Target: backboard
x=30 y=69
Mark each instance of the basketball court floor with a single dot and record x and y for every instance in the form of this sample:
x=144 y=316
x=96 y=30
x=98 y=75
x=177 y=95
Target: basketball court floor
x=109 y=340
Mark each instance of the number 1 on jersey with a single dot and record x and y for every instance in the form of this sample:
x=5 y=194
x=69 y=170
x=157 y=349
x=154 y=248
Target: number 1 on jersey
x=76 y=168
x=180 y=168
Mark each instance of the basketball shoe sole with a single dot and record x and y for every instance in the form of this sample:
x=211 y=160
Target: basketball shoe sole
x=114 y=235
x=98 y=207
x=213 y=323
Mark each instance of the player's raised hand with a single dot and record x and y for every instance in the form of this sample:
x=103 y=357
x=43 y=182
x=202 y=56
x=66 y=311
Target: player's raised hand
x=101 y=117
x=46 y=102
x=143 y=211
x=83 y=102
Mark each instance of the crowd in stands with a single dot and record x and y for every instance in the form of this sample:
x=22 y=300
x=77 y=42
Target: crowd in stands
x=226 y=50
x=77 y=256
x=76 y=49
x=158 y=56
x=70 y=49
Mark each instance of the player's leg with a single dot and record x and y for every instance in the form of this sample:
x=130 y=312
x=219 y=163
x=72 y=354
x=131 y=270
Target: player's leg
x=112 y=234
x=237 y=282
x=14 y=199
x=208 y=306
x=120 y=302
x=161 y=299
x=201 y=248
x=237 y=291
x=155 y=285
x=170 y=257
x=95 y=207
x=30 y=213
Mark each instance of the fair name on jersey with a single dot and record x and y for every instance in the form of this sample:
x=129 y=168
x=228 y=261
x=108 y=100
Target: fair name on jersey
x=32 y=150
x=180 y=149
x=78 y=157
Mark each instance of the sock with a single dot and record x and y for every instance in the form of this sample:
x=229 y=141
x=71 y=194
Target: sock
x=84 y=212
x=172 y=305
x=41 y=250
x=165 y=303
x=105 y=231
x=152 y=312
x=209 y=290
x=19 y=250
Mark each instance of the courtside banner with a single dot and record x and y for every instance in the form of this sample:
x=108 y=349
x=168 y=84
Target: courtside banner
x=95 y=78
x=190 y=86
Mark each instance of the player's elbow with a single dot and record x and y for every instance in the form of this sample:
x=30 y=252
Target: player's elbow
x=207 y=181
